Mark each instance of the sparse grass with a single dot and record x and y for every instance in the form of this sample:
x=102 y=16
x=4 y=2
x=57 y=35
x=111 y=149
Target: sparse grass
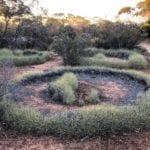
x=20 y=59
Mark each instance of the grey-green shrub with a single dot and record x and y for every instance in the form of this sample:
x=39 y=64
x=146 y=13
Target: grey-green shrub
x=22 y=119
x=63 y=89
x=137 y=62
x=99 y=56
x=93 y=97
x=5 y=52
x=70 y=79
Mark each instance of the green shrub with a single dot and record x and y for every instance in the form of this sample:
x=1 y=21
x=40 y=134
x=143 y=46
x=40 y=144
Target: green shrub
x=99 y=56
x=69 y=79
x=63 y=89
x=93 y=97
x=22 y=119
x=68 y=44
x=5 y=52
x=69 y=95
x=137 y=62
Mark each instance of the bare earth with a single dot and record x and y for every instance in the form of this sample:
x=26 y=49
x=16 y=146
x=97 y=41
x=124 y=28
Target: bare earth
x=136 y=141
x=36 y=100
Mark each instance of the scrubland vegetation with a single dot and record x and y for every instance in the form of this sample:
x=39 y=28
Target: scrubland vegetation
x=100 y=47
x=99 y=120
x=127 y=59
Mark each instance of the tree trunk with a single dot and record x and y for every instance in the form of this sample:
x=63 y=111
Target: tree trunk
x=4 y=32
x=6 y=27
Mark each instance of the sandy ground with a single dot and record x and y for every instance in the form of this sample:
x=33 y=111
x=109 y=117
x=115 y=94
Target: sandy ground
x=146 y=45
x=136 y=141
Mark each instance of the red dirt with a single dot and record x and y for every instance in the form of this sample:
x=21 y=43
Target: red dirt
x=109 y=89
x=137 y=141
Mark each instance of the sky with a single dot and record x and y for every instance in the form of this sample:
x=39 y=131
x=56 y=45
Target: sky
x=106 y=9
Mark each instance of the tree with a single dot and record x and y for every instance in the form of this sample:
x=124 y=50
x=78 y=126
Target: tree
x=125 y=10
x=146 y=28
x=142 y=9
x=33 y=34
x=10 y=9
x=114 y=35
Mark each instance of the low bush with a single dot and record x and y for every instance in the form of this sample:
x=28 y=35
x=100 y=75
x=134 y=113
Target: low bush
x=70 y=79
x=63 y=89
x=22 y=119
x=99 y=56
x=5 y=52
x=137 y=62
x=93 y=97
